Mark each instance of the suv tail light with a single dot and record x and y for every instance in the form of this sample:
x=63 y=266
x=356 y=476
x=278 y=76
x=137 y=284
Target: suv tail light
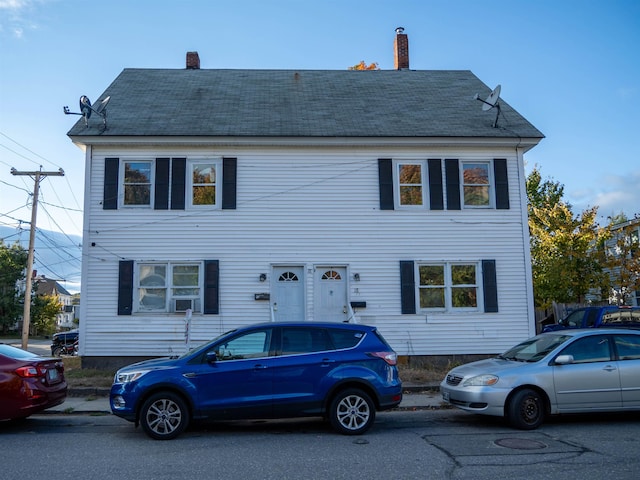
x=390 y=357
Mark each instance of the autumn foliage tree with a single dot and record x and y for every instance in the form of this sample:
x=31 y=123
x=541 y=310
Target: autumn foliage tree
x=363 y=66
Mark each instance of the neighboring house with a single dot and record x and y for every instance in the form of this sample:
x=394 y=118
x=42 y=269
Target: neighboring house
x=624 y=244
x=239 y=196
x=46 y=286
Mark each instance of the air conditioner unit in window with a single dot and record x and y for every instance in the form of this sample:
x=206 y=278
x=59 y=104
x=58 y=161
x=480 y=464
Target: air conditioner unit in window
x=182 y=305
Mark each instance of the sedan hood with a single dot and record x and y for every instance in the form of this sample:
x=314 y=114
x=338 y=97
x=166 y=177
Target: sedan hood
x=494 y=366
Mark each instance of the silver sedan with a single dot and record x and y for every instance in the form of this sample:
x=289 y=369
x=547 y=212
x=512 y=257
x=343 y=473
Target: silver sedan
x=567 y=371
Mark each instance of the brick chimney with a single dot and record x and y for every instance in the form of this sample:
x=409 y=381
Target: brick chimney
x=401 y=50
x=193 y=61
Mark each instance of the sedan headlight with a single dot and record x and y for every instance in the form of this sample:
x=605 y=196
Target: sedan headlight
x=126 y=377
x=481 y=381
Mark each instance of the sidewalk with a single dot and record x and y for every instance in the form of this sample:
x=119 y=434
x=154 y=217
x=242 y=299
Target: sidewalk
x=92 y=401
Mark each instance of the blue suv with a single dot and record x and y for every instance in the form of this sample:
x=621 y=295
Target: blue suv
x=343 y=372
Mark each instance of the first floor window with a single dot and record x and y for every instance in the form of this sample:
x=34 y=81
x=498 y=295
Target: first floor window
x=448 y=286
x=169 y=287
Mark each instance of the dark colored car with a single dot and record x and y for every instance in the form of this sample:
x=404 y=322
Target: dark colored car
x=343 y=372
x=29 y=383
x=63 y=340
x=595 y=317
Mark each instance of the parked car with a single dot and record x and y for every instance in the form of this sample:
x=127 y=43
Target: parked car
x=602 y=316
x=344 y=372
x=62 y=341
x=568 y=371
x=29 y=383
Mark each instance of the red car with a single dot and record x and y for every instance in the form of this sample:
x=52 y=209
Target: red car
x=29 y=383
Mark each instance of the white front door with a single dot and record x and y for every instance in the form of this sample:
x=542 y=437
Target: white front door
x=287 y=297
x=330 y=286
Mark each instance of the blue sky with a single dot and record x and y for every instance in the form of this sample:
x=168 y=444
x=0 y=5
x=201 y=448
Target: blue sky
x=571 y=67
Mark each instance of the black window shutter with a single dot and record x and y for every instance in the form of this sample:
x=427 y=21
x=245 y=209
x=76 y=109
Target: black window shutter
x=229 y=182
x=110 y=194
x=385 y=180
x=211 y=288
x=125 y=287
x=407 y=287
x=436 y=199
x=161 y=196
x=178 y=183
x=489 y=286
x=452 y=172
x=502 y=183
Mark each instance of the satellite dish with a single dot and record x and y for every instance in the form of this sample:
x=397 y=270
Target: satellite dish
x=491 y=102
x=492 y=99
x=102 y=105
x=86 y=109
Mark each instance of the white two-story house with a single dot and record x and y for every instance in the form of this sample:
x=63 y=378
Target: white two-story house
x=219 y=198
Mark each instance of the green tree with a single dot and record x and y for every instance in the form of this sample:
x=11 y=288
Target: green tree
x=44 y=309
x=13 y=263
x=566 y=264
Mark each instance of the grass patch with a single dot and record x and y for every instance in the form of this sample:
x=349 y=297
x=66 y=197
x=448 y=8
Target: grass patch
x=85 y=377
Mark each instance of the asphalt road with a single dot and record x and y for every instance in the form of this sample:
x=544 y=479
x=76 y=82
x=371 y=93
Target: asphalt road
x=421 y=444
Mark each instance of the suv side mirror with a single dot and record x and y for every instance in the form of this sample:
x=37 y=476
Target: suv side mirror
x=212 y=356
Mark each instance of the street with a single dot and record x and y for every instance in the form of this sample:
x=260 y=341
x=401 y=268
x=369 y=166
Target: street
x=425 y=444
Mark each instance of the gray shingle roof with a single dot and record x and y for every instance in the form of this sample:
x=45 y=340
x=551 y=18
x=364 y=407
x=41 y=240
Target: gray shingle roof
x=301 y=103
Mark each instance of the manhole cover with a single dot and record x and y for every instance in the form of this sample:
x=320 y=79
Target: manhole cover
x=520 y=444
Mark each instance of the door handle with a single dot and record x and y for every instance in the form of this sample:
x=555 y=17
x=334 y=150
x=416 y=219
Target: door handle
x=259 y=366
x=189 y=375
x=610 y=368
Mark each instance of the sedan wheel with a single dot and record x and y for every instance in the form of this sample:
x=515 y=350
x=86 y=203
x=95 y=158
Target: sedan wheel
x=352 y=412
x=164 y=416
x=526 y=410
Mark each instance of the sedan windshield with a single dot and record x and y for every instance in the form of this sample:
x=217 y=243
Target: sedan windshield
x=535 y=348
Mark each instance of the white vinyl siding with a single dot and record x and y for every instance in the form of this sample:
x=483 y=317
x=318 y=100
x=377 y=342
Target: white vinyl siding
x=305 y=206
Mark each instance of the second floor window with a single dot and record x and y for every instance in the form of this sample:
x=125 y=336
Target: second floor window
x=410 y=182
x=137 y=183
x=204 y=183
x=476 y=184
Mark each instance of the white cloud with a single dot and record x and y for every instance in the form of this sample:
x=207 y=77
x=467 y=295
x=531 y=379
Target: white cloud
x=612 y=195
x=13 y=16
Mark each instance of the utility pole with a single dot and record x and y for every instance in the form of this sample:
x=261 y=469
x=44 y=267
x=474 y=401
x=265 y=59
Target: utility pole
x=26 y=315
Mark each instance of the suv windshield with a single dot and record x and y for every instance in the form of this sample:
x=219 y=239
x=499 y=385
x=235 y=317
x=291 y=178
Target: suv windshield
x=535 y=348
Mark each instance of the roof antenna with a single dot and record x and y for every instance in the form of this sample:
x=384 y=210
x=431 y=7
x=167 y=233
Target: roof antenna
x=491 y=102
x=86 y=109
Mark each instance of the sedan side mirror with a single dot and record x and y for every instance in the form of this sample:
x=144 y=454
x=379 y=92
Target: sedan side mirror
x=564 y=359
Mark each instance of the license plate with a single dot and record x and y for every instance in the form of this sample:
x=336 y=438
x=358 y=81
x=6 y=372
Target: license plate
x=445 y=396
x=53 y=375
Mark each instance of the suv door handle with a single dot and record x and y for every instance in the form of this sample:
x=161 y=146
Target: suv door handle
x=260 y=366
